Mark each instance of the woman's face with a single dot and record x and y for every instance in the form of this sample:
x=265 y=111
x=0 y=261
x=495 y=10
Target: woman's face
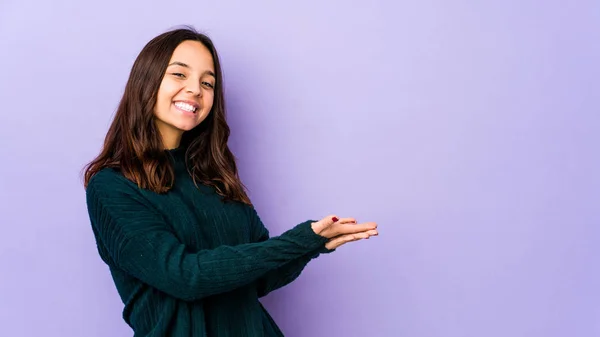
x=186 y=93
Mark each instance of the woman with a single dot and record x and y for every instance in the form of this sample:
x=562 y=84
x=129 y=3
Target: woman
x=187 y=251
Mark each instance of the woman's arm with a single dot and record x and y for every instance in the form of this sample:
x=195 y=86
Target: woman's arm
x=141 y=244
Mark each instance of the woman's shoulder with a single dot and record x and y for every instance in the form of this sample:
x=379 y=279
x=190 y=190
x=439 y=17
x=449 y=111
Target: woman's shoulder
x=108 y=179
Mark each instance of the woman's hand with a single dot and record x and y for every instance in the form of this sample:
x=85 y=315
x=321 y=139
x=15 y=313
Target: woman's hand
x=340 y=240
x=341 y=231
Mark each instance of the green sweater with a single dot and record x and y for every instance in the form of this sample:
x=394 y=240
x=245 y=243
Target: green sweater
x=186 y=263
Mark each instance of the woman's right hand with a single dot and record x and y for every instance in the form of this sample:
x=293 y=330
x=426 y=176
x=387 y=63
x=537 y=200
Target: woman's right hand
x=331 y=227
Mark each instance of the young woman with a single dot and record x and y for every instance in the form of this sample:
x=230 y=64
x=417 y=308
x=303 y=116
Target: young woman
x=187 y=251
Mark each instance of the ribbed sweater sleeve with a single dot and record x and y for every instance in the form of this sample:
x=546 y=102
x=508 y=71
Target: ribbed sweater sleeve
x=286 y=274
x=282 y=276
x=140 y=243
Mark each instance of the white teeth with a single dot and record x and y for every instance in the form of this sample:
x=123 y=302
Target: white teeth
x=185 y=106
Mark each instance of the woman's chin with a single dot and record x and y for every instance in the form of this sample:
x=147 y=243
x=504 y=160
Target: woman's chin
x=187 y=126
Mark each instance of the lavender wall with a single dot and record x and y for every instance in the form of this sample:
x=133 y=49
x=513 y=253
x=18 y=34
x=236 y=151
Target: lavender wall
x=468 y=130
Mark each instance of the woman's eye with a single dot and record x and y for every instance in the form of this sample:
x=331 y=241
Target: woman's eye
x=208 y=84
x=179 y=75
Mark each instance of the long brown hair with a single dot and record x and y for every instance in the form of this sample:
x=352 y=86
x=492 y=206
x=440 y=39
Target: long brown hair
x=134 y=145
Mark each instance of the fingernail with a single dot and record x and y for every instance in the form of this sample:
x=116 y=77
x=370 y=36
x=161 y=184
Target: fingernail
x=334 y=219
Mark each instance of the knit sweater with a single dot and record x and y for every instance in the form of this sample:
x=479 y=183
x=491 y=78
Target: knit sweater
x=187 y=263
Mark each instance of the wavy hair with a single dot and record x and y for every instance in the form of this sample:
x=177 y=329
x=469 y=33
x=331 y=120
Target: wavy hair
x=134 y=145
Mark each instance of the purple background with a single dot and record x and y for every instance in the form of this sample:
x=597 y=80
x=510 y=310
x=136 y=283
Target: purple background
x=468 y=130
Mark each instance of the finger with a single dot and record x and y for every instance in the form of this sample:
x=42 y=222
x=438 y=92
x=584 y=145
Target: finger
x=321 y=225
x=347 y=220
x=368 y=234
x=343 y=239
x=330 y=219
x=354 y=228
x=339 y=240
x=373 y=232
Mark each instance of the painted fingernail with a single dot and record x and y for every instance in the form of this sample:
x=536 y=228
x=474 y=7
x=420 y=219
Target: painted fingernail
x=334 y=219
